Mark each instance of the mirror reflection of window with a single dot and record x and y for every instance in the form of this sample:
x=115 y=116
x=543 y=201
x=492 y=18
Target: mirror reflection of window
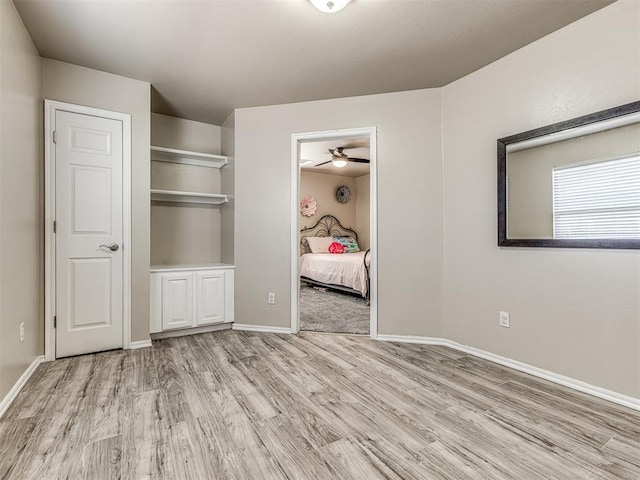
x=599 y=199
x=546 y=200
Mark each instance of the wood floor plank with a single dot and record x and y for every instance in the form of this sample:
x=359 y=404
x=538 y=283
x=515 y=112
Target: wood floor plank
x=284 y=438
x=35 y=395
x=14 y=436
x=354 y=462
x=103 y=459
x=174 y=404
x=140 y=371
x=247 y=405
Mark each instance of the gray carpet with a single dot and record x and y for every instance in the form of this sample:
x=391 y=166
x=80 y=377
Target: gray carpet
x=327 y=311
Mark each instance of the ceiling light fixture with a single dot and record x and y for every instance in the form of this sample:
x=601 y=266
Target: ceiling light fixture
x=339 y=162
x=329 y=6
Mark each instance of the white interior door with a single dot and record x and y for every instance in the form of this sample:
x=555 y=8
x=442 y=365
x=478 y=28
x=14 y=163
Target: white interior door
x=89 y=232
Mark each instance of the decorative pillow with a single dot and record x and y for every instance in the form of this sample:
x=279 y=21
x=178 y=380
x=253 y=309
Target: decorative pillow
x=319 y=244
x=350 y=244
x=336 y=247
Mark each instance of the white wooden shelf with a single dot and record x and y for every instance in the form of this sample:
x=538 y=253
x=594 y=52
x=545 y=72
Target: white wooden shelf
x=182 y=267
x=188 y=197
x=184 y=157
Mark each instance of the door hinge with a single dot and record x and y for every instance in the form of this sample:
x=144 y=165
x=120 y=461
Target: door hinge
x=54 y=226
x=55 y=136
x=55 y=321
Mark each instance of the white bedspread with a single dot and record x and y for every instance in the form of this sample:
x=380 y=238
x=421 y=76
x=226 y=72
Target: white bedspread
x=346 y=269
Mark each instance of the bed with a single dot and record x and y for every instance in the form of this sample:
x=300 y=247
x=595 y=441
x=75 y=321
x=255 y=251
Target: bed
x=346 y=272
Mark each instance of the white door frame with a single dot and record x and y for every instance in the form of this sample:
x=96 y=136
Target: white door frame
x=296 y=139
x=50 y=108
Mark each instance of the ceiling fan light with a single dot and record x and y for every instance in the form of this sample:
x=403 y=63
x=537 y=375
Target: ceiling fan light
x=329 y=6
x=339 y=162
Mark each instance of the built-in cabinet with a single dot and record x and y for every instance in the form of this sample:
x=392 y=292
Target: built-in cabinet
x=190 y=296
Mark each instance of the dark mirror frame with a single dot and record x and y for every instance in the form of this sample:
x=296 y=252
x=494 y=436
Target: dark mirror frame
x=503 y=241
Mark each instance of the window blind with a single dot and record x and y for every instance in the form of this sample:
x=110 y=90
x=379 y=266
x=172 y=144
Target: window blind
x=597 y=200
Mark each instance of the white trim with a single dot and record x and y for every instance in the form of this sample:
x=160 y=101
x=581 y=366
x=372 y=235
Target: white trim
x=50 y=108
x=565 y=381
x=139 y=344
x=373 y=234
x=17 y=387
x=296 y=139
x=259 y=328
x=415 y=339
x=295 y=249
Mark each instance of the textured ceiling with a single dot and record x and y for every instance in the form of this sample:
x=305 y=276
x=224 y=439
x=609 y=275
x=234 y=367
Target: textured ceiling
x=205 y=58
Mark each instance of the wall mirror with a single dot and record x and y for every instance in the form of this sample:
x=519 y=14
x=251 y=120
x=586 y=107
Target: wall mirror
x=572 y=184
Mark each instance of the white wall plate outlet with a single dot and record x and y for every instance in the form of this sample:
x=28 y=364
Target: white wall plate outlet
x=22 y=332
x=504 y=319
x=271 y=299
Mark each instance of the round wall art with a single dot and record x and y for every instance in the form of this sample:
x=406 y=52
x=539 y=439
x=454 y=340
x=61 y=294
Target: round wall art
x=343 y=194
x=308 y=206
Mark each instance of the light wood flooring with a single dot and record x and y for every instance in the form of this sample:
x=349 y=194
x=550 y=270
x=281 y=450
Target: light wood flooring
x=313 y=406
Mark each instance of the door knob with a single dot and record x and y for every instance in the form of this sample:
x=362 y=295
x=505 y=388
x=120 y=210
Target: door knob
x=113 y=247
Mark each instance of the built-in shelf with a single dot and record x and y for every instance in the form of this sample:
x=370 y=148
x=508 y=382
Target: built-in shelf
x=187 y=197
x=191 y=267
x=184 y=157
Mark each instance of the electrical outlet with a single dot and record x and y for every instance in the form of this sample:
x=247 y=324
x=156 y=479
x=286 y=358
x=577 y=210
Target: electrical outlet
x=271 y=299
x=504 y=319
x=22 y=332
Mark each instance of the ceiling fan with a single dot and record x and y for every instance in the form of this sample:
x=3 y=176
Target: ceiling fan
x=340 y=159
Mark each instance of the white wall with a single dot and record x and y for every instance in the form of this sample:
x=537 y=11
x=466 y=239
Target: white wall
x=21 y=176
x=185 y=233
x=84 y=86
x=409 y=204
x=574 y=312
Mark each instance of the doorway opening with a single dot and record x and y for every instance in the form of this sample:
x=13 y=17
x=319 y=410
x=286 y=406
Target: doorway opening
x=334 y=234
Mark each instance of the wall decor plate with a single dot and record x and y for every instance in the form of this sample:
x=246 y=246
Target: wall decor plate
x=343 y=194
x=308 y=206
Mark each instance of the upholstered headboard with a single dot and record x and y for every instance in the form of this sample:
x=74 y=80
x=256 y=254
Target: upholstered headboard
x=326 y=226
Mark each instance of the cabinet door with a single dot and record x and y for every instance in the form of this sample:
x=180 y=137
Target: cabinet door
x=177 y=300
x=210 y=297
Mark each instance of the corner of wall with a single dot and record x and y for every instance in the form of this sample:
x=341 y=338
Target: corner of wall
x=228 y=143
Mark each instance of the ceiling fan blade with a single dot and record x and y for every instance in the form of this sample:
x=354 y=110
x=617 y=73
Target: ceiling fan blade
x=337 y=153
x=359 y=160
x=323 y=163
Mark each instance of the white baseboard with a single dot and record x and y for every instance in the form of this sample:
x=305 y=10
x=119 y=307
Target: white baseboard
x=139 y=344
x=13 y=393
x=259 y=328
x=413 y=339
x=569 y=382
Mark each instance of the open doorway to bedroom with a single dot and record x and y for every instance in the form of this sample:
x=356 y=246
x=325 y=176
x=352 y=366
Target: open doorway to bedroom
x=333 y=237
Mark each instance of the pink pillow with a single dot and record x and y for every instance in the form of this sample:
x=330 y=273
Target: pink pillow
x=336 y=247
